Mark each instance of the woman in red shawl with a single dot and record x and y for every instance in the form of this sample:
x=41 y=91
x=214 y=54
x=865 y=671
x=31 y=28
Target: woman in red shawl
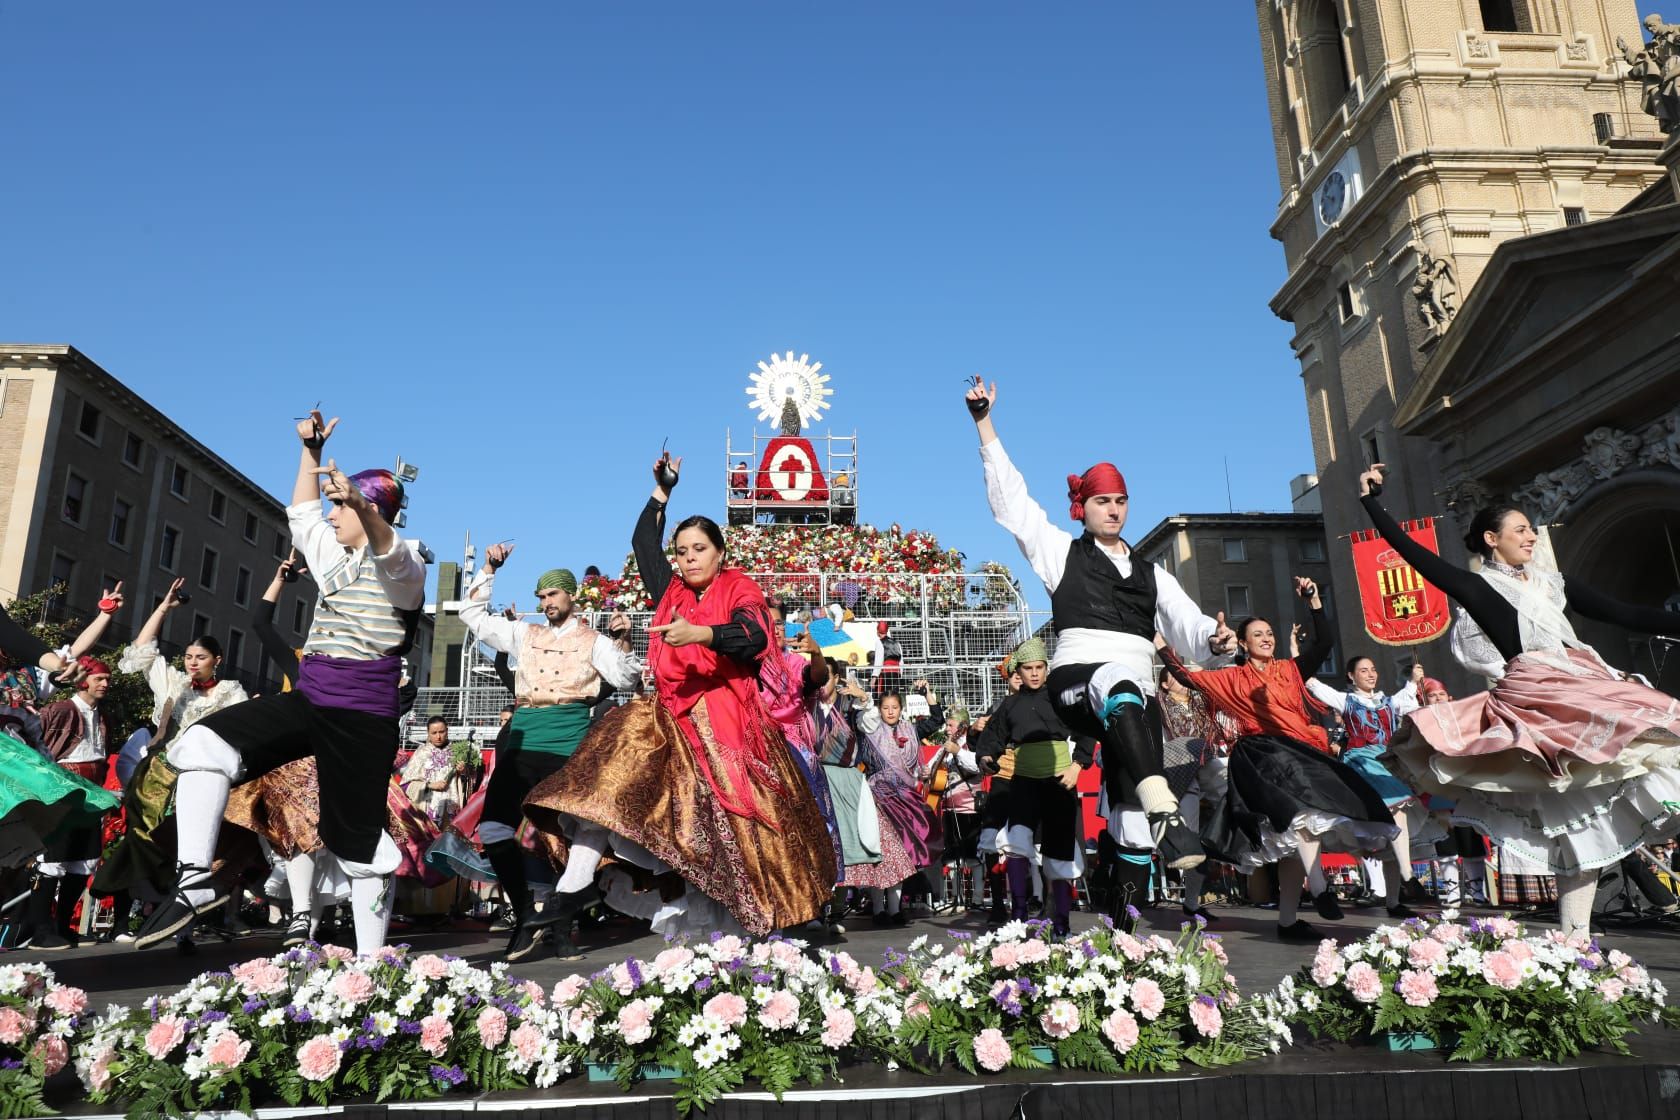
x=694 y=783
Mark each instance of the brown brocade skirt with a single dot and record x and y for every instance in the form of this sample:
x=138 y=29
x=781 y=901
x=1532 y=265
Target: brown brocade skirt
x=284 y=808
x=635 y=774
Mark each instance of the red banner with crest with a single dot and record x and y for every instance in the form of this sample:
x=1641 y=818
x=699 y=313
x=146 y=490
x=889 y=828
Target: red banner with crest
x=1401 y=607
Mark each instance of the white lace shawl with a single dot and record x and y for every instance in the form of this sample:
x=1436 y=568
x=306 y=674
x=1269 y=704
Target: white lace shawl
x=1542 y=626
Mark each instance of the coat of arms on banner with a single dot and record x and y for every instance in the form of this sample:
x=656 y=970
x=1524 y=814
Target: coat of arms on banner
x=1401 y=607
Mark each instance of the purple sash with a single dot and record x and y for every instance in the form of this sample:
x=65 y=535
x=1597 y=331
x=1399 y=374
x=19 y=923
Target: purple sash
x=361 y=686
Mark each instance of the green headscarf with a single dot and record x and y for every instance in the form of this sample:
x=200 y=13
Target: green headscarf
x=1027 y=652
x=558 y=577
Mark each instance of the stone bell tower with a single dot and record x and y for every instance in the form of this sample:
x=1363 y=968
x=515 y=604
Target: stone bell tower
x=1412 y=137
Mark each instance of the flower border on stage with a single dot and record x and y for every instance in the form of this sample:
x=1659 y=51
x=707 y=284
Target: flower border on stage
x=316 y=1024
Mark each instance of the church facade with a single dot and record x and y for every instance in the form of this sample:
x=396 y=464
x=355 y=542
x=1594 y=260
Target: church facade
x=1413 y=139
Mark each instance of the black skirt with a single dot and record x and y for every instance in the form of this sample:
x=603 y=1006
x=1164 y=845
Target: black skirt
x=1272 y=781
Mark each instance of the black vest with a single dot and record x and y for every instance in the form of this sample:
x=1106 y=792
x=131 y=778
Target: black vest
x=1094 y=596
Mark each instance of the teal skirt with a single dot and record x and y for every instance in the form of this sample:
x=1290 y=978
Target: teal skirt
x=38 y=798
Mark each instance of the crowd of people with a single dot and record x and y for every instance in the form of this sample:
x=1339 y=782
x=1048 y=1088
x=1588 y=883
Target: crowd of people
x=750 y=784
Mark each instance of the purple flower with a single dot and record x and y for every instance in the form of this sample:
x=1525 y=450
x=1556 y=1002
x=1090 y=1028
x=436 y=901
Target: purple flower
x=1207 y=1000
x=368 y=1024
x=408 y=1026
x=376 y=1043
x=213 y=1016
x=703 y=984
x=251 y=1005
x=894 y=958
x=834 y=966
x=1133 y=912
x=10 y=1063
x=448 y=1075
x=959 y=935
x=760 y=976
x=299 y=1014
x=717 y=935
x=634 y=967
x=735 y=964
x=1027 y=987
x=1089 y=950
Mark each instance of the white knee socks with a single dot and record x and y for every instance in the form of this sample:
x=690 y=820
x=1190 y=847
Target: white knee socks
x=300 y=881
x=370 y=907
x=583 y=858
x=201 y=796
x=1290 y=873
x=1575 y=902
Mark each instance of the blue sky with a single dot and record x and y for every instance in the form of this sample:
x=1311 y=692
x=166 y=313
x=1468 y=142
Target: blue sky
x=520 y=244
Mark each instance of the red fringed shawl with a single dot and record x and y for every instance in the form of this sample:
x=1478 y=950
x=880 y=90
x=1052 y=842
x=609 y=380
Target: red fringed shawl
x=741 y=723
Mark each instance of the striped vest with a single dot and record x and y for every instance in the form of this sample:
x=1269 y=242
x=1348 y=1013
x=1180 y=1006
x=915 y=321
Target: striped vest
x=354 y=618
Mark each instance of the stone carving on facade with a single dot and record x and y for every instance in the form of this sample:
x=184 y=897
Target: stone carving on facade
x=1478 y=48
x=1656 y=65
x=1577 y=51
x=1436 y=289
x=1609 y=452
x=1465 y=497
x=1606 y=453
x=1660 y=443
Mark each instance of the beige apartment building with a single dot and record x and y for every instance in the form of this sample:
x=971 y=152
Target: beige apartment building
x=1428 y=133
x=97 y=485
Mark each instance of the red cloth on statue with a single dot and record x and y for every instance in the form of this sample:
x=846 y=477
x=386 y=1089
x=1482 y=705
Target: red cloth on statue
x=685 y=675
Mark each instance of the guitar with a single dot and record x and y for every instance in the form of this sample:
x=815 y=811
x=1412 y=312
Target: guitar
x=938 y=782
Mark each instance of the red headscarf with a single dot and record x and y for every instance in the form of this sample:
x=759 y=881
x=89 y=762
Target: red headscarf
x=94 y=667
x=1104 y=478
x=740 y=722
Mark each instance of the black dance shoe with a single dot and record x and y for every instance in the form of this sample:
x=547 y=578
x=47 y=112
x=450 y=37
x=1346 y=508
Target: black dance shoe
x=1180 y=847
x=1328 y=906
x=1297 y=931
x=560 y=909
x=176 y=915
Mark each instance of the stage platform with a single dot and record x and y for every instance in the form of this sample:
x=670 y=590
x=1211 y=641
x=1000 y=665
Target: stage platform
x=1305 y=1082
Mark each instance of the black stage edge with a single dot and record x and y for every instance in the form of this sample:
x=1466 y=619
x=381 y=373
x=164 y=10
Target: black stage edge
x=1308 y=1082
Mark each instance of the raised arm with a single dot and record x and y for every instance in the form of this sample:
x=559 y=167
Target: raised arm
x=1601 y=607
x=153 y=626
x=1496 y=617
x=647 y=542
x=1043 y=544
x=493 y=630
x=1319 y=641
x=274 y=646
x=110 y=602
x=1323 y=693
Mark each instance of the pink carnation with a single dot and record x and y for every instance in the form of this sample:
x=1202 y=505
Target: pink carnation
x=1611 y=989
x=12 y=1026
x=227 y=1050
x=1006 y=955
x=635 y=1021
x=1148 y=998
x=338 y=953
x=729 y=1008
x=67 y=1001
x=1034 y=951
x=353 y=987
x=1121 y=1030
x=917 y=1008
x=1503 y=928
x=260 y=977
x=1209 y=1022
x=1426 y=952
x=527 y=1042
x=728 y=947
x=838 y=1027
x=1418 y=988
x=533 y=991
x=164 y=1035
x=781 y=1011
x=430 y=967
x=1634 y=976
x=1521 y=950
x=992 y=1050
x=783 y=953
x=1501 y=970
x=1060 y=1019
x=864 y=983
x=568 y=990
x=318 y=1059
x=672 y=959
x=1619 y=959
x=53 y=1052
x=1130 y=947
x=620 y=979
x=1448 y=933
x=1217 y=948
x=99 y=1072
x=435 y=1032
x=492 y=1026
x=1326 y=971
x=1364 y=982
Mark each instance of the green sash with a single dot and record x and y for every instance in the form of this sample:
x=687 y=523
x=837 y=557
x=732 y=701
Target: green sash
x=1042 y=760
x=557 y=729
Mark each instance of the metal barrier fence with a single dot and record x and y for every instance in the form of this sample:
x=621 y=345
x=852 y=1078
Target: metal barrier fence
x=958 y=654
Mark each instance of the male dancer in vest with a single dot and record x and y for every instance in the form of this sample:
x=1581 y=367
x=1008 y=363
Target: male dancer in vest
x=561 y=663
x=343 y=711
x=1105 y=611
